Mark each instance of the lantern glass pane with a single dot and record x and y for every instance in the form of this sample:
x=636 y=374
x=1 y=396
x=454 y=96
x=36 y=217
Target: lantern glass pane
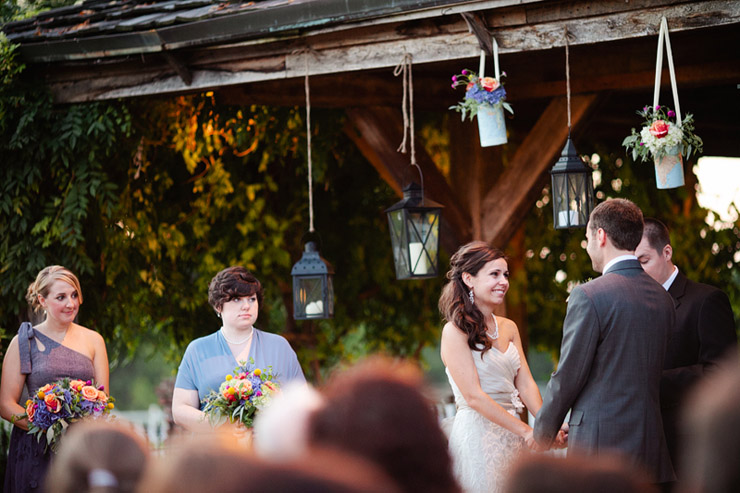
x=423 y=242
x=399 y=242
x=330 y=296
x=310 y=299
x=571 y=199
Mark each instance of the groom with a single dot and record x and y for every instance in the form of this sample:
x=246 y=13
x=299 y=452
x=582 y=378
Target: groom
x=614 y=340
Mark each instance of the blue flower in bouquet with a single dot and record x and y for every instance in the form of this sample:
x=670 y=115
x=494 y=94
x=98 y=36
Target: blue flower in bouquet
x=479 y=91
x=240 y=396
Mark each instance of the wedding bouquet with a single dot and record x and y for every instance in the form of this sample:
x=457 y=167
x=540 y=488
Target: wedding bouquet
x=479 y=91
x=240 y=396
x=54 y=406
x=661 y=135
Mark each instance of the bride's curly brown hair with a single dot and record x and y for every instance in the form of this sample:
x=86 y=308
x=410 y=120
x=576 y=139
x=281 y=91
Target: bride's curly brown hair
x=454 y=303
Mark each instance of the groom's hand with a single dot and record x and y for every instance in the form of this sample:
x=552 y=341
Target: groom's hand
x=561 y=440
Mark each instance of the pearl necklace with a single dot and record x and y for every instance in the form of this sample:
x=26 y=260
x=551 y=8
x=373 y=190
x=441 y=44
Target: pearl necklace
x=236 y=343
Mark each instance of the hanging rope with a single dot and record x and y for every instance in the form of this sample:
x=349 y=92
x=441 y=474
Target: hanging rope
x=404 y=69
x=567 y=73
x=308 y=143
x=407 y=108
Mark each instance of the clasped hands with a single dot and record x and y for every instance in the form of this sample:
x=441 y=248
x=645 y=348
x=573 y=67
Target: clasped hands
x=561 y=440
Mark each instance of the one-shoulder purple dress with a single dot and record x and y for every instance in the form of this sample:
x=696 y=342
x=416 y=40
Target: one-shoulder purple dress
x=27 y=459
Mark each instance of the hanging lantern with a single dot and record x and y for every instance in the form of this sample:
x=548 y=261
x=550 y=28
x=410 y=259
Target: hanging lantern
x=414 y=227
x=313 y=289
x=572 y=190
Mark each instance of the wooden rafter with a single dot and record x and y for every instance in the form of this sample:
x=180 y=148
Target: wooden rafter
x=504 y=207
x=377 y=132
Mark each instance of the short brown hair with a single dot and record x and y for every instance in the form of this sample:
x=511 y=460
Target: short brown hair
x=656 y=233
x=232 y=283
x=621 y=219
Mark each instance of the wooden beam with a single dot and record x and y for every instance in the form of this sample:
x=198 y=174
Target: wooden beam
x=377 y=132
x=505 y=206
x=381 y=46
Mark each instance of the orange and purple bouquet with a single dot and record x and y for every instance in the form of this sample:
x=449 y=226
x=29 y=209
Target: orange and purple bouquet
x=241 y=396
x=52 y=408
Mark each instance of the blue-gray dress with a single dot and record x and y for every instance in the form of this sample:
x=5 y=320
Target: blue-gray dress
x=208 y=360
x=27 y=460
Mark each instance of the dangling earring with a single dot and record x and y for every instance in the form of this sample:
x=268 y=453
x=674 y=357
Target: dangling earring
x=218 y=314
x=471 y=296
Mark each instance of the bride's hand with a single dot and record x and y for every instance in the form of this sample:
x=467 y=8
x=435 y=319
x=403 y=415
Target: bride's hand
x=530 y=441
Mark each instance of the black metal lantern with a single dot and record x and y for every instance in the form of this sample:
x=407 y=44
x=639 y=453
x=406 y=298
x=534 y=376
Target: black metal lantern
x=414 y=227
x=572 y=190
x=313 y=289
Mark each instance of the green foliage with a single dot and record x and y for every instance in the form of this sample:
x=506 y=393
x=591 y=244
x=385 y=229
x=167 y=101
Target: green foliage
x=58 y=194
x=147 y=208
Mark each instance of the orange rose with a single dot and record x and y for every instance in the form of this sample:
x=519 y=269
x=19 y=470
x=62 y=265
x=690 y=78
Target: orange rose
x=76 y=384
x=89 y=393
x=30 y=410
x=46 y=388
x=489 y=84
x=102 y=396
x=52 y=403
x=659 y=129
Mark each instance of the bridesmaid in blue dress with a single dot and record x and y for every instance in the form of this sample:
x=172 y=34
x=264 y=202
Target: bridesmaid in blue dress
x=55 y=348
x=236 y=295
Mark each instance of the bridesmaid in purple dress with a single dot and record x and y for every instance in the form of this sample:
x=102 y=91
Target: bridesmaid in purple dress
x=56 y=348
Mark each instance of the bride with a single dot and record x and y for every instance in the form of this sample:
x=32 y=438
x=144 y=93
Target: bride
x=486 y=368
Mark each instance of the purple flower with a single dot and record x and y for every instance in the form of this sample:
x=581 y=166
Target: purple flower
x=657 y=107
x=645 y=108
x=642 y=144
x=454 y=78
x=452 y=86
x=465 y=71
x=671 y=113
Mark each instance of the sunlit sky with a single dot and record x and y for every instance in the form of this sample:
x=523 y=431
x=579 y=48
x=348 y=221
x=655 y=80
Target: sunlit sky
x=719 y=186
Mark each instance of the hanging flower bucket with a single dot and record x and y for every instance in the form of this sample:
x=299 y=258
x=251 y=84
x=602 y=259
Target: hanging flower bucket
x=669 y=169
x=665 y=138
x=491 y=125
x=485 y=98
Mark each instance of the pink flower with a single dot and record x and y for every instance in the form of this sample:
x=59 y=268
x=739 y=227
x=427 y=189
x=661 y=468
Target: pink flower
x=671 y=113
x=659 y=129
x=89 y=393
x=489 y=84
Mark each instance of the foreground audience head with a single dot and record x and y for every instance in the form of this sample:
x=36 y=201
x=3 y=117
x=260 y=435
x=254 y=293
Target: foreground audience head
x=377 y=410
x=98 y=456
x=602 y=474
x=281 y=430
x=220 y=464
x=710 y=458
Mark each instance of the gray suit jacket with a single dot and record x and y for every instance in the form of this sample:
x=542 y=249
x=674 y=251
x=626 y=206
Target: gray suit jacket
x=615 y=336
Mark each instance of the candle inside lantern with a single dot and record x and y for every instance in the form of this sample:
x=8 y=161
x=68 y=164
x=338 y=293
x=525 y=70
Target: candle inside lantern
x=563 y=218
x=315 y=308
x=419 y=262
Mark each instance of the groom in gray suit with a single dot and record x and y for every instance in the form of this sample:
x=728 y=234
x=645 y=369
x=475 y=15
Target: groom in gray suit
x=615 y=336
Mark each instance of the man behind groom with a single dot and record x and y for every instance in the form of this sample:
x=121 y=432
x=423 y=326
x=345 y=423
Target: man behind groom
x=615 y=336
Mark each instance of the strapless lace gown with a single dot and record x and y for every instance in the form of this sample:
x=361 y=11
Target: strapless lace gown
x=482 y=451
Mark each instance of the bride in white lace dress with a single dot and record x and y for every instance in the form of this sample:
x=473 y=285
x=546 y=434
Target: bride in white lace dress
x=486 y=368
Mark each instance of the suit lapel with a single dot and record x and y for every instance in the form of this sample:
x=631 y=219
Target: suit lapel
x=678 y=288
